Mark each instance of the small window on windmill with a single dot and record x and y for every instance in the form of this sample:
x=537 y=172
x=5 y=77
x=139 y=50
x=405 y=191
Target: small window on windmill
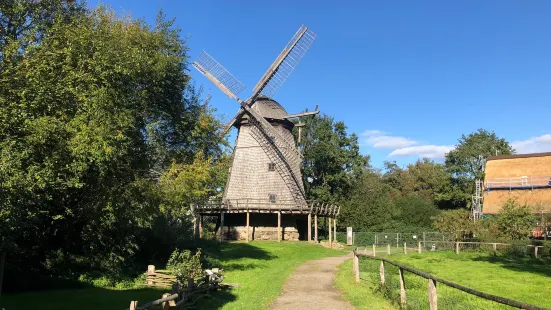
x=271 y=139
x=271 y=166
x=272 y=198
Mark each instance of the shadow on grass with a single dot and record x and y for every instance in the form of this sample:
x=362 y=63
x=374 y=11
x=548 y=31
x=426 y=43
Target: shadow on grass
x=531 y=265
x=234 y=251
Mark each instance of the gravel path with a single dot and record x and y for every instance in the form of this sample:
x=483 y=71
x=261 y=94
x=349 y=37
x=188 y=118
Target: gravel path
x=310 y=286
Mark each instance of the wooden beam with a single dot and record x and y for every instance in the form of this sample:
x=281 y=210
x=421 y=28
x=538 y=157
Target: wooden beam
x=248 y=214
x=382 y=272
x=356 y=267
x=221 y=226
x=316 y=228
x=300 y=114
x=335 y=229
x=200 y=226
x=309 y=227
x=279 y=226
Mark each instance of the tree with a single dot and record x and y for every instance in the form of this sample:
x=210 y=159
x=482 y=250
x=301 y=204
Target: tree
x=92 y=115
x=332 y=160
x=465 y=162
x=514 y=222
x=415 y=213
x=457 y=222
x=370 y=206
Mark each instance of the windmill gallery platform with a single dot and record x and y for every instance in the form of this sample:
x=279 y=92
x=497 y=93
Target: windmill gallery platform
x=250 y=219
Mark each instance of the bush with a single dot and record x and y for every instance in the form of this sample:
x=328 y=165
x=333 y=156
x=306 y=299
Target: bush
x=185 y=265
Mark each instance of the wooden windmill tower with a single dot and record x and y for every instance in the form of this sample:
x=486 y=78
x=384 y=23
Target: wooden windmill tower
x=265 y=174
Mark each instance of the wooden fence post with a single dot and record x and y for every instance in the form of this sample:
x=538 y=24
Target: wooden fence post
x=402 y=287
x=164 y=305
x=388 y=249
x=433 y=302
x=405 y=249
x=419 y=247
x=495 y=248
x=133 y=305
x=382 y=272
x=248 y=225
x=535 y=254
x=374 y=252
x=356 y=267
x=150 y=271
x=456 y=247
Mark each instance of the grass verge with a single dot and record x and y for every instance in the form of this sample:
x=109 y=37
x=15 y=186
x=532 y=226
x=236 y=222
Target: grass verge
x=359 y=294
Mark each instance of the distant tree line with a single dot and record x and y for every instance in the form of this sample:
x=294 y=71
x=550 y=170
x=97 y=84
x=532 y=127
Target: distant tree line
x=393 y=198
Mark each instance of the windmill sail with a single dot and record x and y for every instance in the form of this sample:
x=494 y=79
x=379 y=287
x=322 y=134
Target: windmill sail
x=285 y=63
x=218 y=75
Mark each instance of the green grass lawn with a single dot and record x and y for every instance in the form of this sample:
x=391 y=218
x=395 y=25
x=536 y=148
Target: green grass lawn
x=359 y=294
x=260 y=268
x=525 y=280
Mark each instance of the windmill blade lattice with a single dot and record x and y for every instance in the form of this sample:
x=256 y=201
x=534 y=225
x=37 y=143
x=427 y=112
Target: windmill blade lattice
x=221 y=77
x=287 y=61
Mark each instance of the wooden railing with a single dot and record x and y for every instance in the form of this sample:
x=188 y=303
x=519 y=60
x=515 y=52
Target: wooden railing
x=432 y=294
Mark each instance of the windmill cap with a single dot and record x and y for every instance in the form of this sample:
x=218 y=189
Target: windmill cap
x=269 y=108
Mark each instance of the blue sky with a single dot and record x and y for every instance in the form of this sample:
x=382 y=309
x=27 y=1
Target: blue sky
x=409 y=77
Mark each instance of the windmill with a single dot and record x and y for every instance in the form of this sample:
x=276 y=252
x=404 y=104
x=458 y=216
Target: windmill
x=265 y=173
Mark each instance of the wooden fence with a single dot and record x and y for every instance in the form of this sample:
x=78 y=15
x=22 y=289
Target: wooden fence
x=179 y=295
x=432 y=294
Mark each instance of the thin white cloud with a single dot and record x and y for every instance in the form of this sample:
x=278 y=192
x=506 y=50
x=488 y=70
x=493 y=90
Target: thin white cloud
x=533 y=145
x=379 y=140
x=430 y=151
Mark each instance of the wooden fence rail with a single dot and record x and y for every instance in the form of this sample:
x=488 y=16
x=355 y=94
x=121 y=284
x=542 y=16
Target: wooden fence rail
x=178 y=296
x=432 y=280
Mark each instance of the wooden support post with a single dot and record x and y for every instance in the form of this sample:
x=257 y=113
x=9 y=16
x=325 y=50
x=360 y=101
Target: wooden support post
x=335 y=229
x=388 y=249
x=164 y=305
x=200 y=226
x=457 y=248
x=419 y=247
x=133 y=305
x=356 y=267
x=330 y=234
x=279 y=226
x=221 y=226
x=374 y=250
x=405 y=249
x=316 y=228
x=382 y=272
x=495 y=248
x=248 y=225
x=535 y=255
x=309 y=227
x=196 y=224
x=150 y=271
x=2 y=263
x=402 y=288
x=433 y=300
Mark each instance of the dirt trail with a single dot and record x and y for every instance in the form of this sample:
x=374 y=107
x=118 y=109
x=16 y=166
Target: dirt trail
x=310 y=286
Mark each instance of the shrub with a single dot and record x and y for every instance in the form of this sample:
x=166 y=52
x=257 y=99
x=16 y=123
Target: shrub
x=185 y=265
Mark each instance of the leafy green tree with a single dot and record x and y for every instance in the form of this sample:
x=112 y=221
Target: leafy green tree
x=456 y=221
x=415 y=213
x=370 y=206
x=332 y=160
x=92 y=115
x=466 y=161
x=514 y=222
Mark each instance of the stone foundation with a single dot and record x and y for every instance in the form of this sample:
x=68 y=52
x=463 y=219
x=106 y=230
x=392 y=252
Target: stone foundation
x=260 y=233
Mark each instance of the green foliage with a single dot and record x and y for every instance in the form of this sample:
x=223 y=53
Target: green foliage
x=514 y=222
x=185 y=265
x=465 y=162
x=415 y=213
x=370 y=207
x=104 y=142
x=457 y=222
x=332 y=160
